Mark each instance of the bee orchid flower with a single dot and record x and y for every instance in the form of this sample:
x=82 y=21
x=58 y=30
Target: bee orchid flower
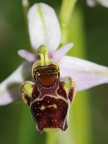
x=56 y=77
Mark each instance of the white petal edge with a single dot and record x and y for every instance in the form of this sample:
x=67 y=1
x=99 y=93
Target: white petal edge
x=86 y=74
x=44 y=27
x=91 y=3
x=9 y=88
x=103 y=2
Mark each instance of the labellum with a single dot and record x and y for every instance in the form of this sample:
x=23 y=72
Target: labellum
x=49 y=96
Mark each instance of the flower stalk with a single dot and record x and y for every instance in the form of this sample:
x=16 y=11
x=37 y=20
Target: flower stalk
x=80 y=113
x=66 y=12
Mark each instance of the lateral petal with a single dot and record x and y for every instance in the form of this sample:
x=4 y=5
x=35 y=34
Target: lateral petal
x=58 y=54
x=30 y=57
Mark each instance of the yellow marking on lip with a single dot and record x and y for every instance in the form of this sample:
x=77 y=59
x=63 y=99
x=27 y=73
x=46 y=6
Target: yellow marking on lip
x=43 y=107
x=54 y=105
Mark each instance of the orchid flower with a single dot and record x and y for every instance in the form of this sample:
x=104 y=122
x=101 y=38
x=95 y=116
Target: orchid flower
x=101 y=2
x=75 y=74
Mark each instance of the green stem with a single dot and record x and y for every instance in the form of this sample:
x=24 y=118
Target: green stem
x=51 y=138
x=25 y=5
x=79 y=130
x=80 y=111
x=65 y=15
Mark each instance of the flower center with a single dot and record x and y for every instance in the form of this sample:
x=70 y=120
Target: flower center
x=47 y=75
x=45 y=70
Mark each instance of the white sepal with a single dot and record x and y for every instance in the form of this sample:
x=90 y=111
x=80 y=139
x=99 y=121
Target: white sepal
x=9 y=88
x=44 y=27
x=86 y=74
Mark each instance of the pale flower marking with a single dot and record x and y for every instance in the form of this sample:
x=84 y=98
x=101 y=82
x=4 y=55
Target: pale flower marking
x=92 y=3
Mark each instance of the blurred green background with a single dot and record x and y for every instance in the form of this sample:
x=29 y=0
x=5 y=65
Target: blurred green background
x=88 y=28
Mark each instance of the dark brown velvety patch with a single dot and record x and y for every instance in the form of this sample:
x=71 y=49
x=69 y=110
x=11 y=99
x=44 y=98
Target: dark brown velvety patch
x=50 y=113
